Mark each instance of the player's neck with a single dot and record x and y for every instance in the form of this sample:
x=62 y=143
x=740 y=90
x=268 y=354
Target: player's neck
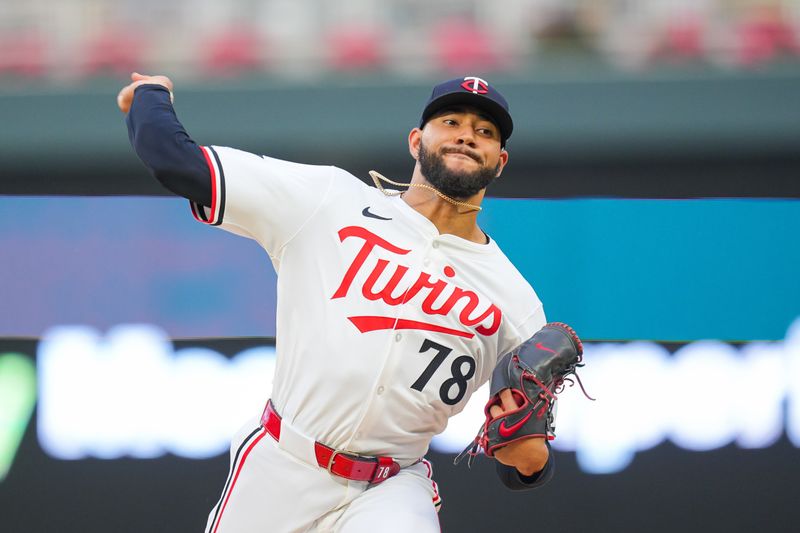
x=452 y=219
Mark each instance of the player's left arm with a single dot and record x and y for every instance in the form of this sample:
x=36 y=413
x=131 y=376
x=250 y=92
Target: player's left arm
x=515 y=480
x=519 y=414
x=528 y=456
x=525 y=464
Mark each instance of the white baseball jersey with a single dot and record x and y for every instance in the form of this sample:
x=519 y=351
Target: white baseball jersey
x=384 y=326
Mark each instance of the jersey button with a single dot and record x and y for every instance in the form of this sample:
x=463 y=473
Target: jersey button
x=398 y=337
x=381 y=389
x=435 y=244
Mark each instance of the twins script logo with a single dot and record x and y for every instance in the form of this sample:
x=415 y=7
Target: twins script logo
x=398 y=291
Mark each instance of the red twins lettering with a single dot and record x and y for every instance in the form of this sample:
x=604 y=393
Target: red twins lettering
x=395 y=292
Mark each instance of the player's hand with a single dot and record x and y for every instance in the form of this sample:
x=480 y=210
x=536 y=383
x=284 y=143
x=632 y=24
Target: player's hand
x=527 y=455
x=125 y=96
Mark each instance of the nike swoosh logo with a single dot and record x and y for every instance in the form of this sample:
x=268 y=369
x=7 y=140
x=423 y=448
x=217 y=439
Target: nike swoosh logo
x=506 y=432
x=366 y=212
x=543 y=347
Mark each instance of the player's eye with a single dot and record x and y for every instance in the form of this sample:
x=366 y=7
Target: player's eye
x=450 y=122
x=488 y=132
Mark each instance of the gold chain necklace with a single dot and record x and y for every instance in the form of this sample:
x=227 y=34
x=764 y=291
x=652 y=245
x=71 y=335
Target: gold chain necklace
x=377 y=177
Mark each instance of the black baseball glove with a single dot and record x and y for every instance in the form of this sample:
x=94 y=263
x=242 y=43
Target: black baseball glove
x=534 y=372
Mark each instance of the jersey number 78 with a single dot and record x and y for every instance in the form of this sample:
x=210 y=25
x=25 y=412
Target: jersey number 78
x=459 y=376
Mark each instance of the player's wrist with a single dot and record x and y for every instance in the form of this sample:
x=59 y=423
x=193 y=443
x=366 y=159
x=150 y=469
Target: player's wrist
x=154 y=85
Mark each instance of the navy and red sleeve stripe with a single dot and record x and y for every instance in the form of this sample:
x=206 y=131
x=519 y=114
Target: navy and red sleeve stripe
x=163 y=145
x=212 y=214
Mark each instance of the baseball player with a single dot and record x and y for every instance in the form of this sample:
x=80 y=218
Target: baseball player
x=393 y=308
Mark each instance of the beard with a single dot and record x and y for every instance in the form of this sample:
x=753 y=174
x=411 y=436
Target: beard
x=454 y=183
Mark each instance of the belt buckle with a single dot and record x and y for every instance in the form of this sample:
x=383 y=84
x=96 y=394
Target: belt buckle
x=330 y=461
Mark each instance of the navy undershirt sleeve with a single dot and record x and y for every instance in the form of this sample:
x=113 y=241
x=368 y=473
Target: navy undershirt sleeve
x=512 y=479
x=161 y=142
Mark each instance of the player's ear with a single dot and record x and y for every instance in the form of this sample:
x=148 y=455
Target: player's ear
x=502 y=162
x=414 y=140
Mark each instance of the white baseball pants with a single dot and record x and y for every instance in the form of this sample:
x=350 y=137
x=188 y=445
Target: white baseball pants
x=270 y=490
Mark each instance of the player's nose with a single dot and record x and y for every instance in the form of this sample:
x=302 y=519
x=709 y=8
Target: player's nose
x=466 y=136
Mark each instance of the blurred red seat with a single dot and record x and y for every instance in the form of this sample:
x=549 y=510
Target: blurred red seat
x=684 y=37
x=116 y=50
x=233 y=51
x=763 y=35
x=461 y=45
x=24 y=53
x=356 y=48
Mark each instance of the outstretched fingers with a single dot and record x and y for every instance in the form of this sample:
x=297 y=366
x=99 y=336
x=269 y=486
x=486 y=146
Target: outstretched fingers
x=507 y=403
x=125 y=95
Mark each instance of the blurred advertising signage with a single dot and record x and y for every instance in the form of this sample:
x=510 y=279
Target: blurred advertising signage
x=17 y=398
x=130 y=393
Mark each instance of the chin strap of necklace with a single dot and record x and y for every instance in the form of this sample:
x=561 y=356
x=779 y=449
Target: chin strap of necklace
x=377 y=177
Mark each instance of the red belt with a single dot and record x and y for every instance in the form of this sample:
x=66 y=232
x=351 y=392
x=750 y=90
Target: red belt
x=372 y=469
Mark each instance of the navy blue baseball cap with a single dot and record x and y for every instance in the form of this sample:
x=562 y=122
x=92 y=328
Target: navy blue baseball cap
x=472 y=91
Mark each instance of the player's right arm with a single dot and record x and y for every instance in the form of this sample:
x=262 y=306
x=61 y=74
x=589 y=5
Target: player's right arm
x=259 y=197
x=161 y=141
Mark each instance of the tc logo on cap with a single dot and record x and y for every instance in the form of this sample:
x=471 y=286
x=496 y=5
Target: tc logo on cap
x=476 y=85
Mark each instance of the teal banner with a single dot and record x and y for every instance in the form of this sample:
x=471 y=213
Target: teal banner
x=657 y=269
x=615 y=269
